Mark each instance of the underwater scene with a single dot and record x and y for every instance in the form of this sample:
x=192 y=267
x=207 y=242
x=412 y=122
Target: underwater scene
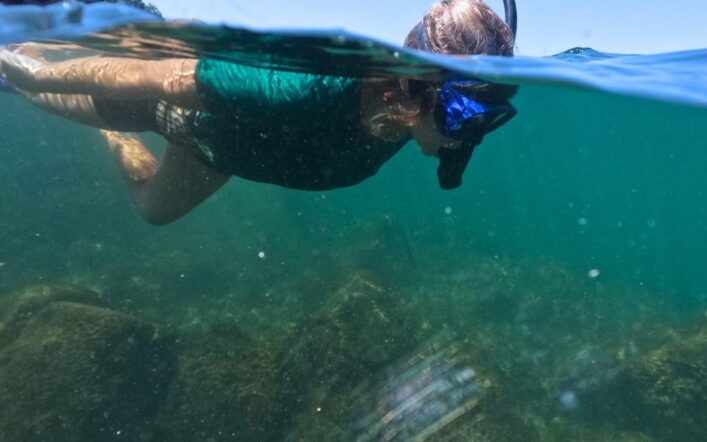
x=560 y=294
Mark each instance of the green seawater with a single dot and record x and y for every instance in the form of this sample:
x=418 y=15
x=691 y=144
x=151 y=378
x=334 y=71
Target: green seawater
x=568 y=274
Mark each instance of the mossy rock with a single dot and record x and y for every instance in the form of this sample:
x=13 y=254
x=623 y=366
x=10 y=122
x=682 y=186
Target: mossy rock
x=669 y=387
x=18 y=308
x=77 y=372
x=360 y=329
x=662 y=393
x=225 y=388
x=229 y=386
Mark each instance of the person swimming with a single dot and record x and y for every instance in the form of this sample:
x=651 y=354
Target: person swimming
x=297 y=130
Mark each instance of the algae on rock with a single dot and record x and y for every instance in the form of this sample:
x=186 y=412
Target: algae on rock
x=76 y=372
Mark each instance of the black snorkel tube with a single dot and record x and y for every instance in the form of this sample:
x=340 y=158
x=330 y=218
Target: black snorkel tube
x=511 y=15
x=453 y=162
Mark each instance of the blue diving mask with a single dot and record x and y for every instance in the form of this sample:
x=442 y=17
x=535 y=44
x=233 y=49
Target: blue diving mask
x=461 y=117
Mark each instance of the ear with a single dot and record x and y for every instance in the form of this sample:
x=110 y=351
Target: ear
x=395 y=88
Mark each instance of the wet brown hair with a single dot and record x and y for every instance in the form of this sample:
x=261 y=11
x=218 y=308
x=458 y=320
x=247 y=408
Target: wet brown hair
x=466 y=27
x=462 y=27
x=450 y=27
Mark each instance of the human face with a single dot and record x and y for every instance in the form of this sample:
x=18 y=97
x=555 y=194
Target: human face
x=429 y=138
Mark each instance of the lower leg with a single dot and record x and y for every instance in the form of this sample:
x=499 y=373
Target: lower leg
x=137 y=164
x=162 y=191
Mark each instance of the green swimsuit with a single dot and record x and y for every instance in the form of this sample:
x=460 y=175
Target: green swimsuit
x=296 y=130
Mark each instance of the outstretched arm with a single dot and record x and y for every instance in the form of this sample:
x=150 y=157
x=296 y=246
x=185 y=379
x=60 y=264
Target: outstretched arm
x=171 y=80
x=78 y=108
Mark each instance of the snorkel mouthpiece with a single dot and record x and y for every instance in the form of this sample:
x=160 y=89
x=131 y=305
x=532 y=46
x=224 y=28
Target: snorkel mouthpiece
x=452 y=164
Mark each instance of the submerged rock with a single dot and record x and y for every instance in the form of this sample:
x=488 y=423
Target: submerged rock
x=360 y=328
x=661 y=392
x=71 y=371
x=224 y=389
x=669 y=387
x=230 y=386
x=359 y=331
x=20 y=307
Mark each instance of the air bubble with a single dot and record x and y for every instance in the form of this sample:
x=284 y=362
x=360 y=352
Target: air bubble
x=569 y=400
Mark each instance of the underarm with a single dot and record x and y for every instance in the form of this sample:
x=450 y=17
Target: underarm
x=78 y=108
x=117 y=115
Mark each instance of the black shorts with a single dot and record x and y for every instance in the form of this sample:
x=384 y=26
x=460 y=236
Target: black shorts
x=127 y=115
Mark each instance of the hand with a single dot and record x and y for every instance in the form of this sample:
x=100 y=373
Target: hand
x=19 y=69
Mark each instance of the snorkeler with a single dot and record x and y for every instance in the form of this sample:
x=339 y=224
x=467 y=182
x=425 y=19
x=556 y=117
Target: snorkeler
x=297 y=130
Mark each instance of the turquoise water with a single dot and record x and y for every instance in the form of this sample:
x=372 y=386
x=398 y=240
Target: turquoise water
x=560 y=294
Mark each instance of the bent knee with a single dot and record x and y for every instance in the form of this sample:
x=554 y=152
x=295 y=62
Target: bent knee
x=159 y=216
